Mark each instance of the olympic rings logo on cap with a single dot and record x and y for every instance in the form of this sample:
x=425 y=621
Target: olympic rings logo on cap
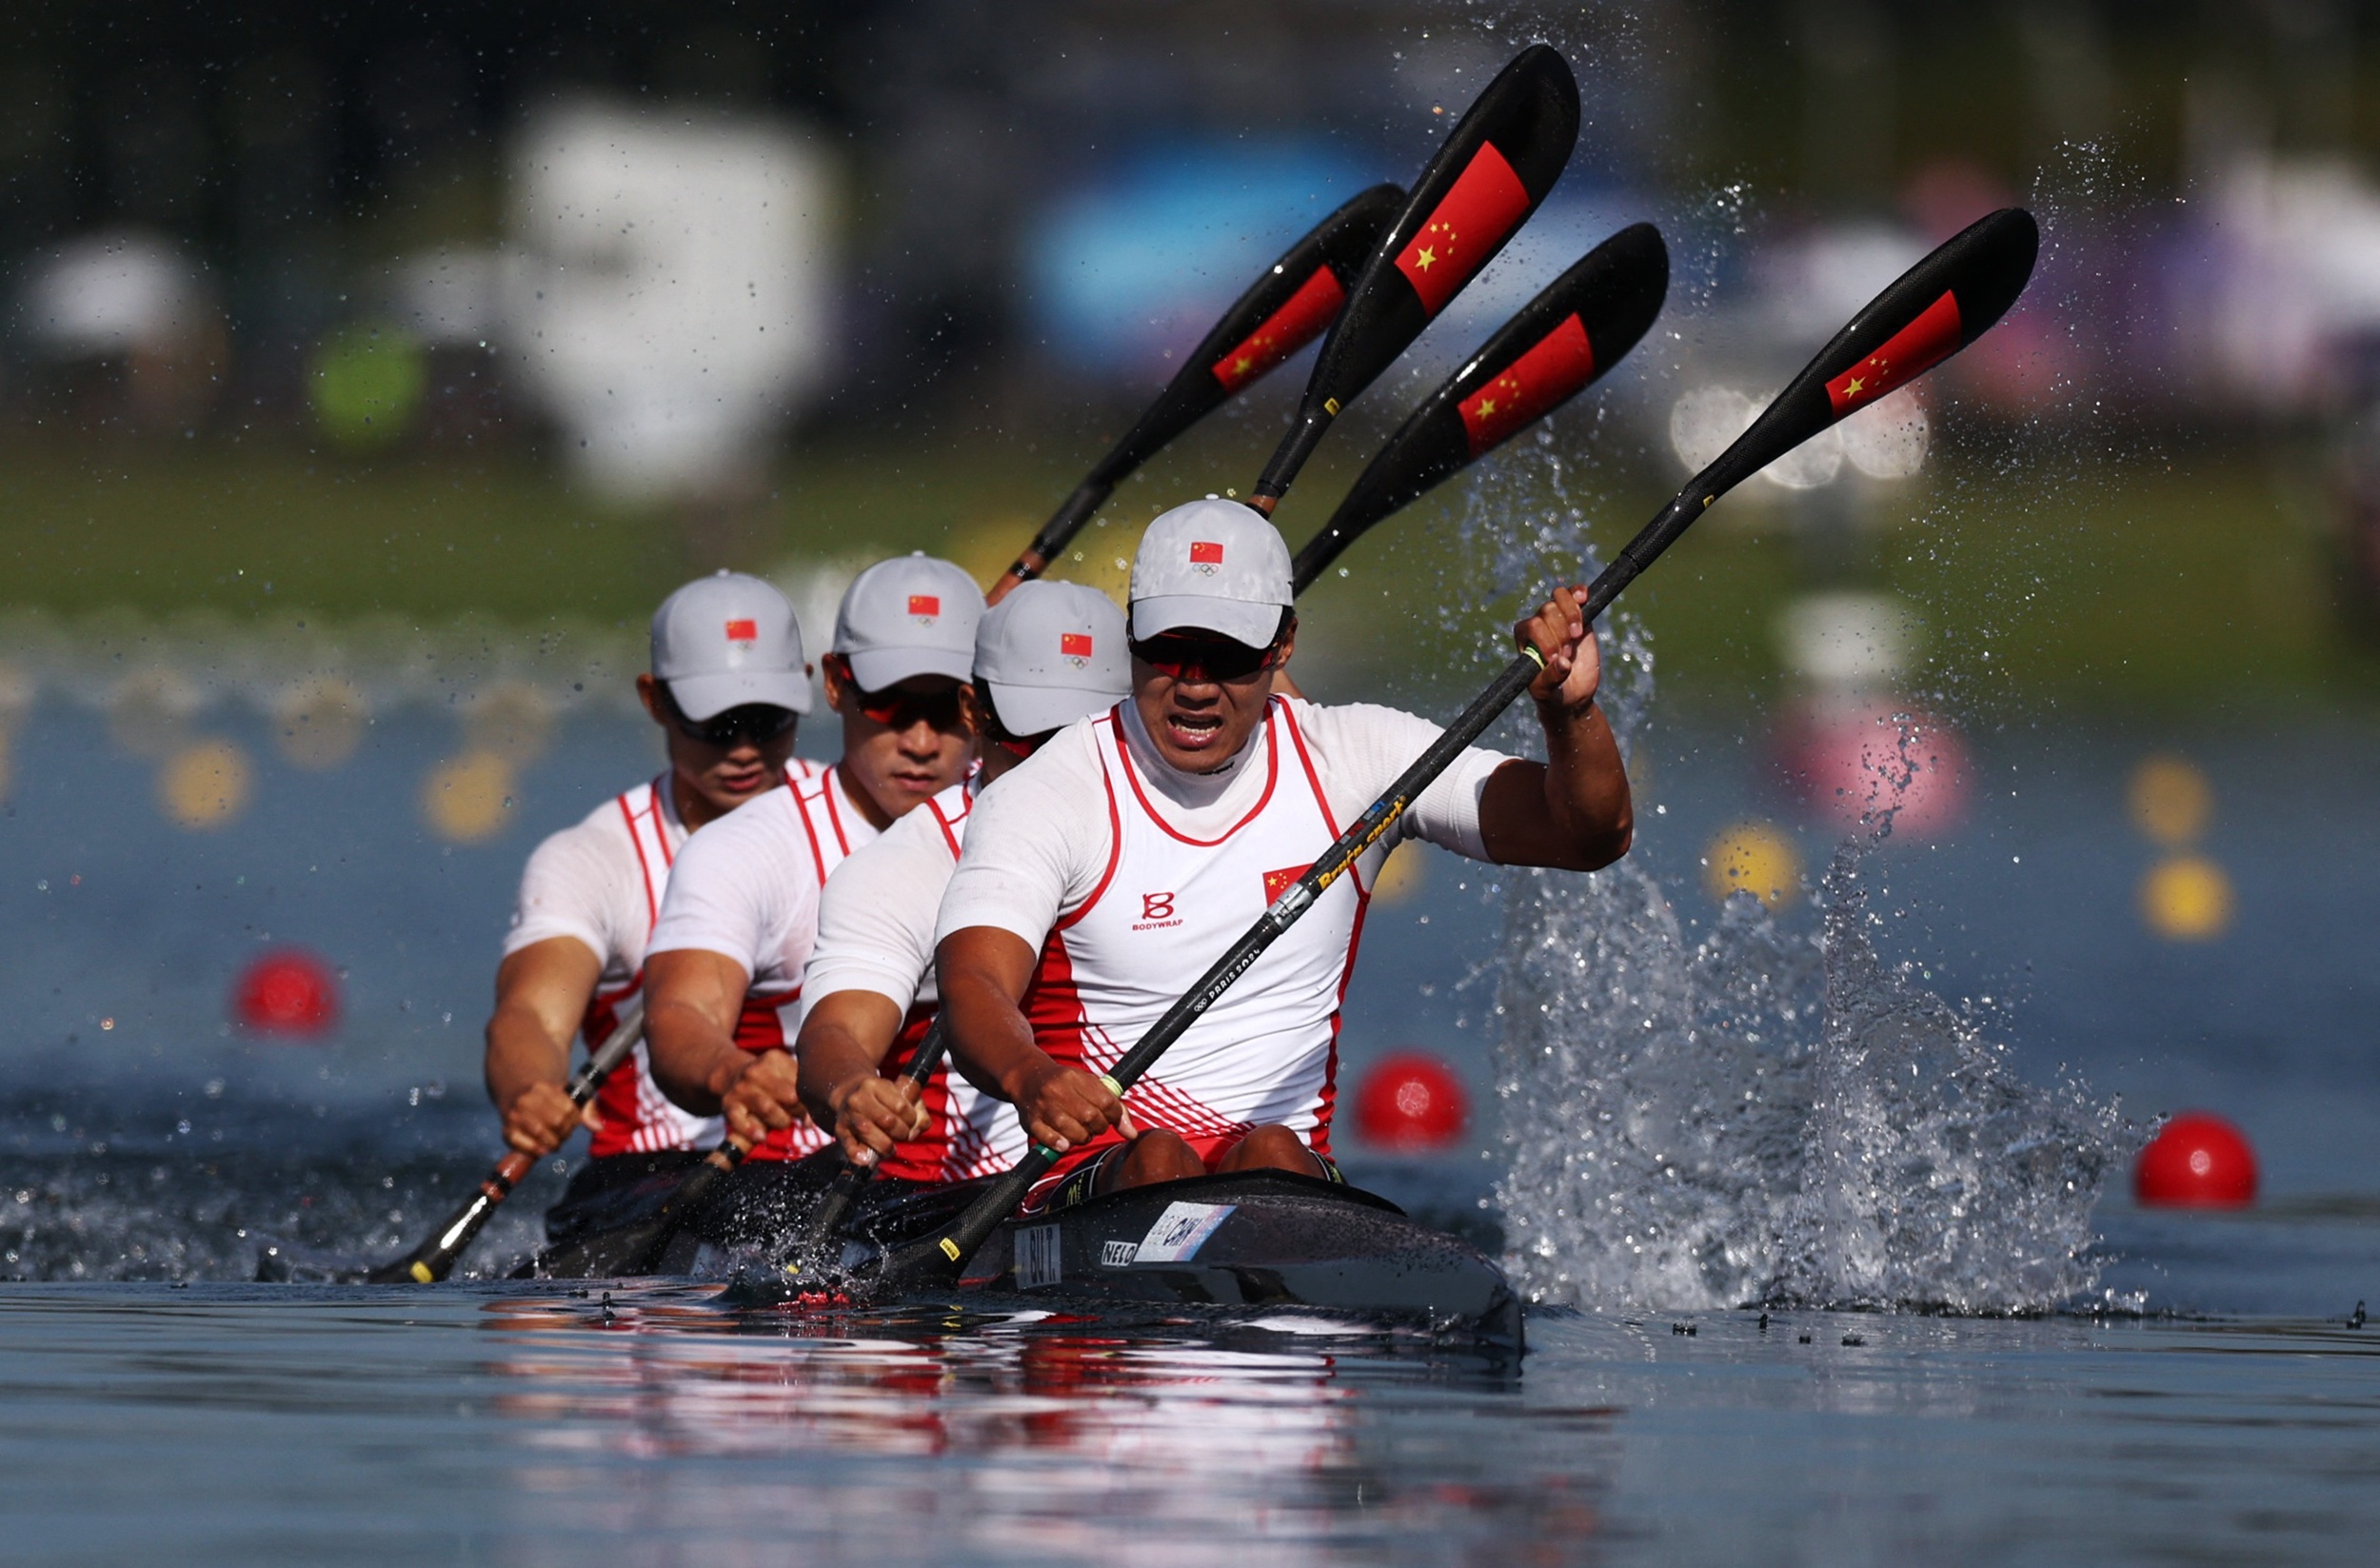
x=1075 y=648
x=1206 y=554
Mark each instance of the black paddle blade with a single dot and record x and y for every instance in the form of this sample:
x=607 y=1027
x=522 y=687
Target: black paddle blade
x=1289 y=305
x=1494 y=169
x=1558 y=345
x=1933 y=310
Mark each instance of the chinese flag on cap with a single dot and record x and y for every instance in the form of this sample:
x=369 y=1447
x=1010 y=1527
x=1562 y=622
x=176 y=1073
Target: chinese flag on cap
x=1074 y=645
x=1207 y=553
x=926 y=604
x=1287 y=330
x=1486 y=200
x=743 y=631
x=1559 y=365
x=1907 y=354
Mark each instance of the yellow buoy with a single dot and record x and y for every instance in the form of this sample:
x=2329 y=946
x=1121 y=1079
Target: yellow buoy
x=204 y=785
x=2186 y=898
x=1401 y=874
x=464 y=798
x=1756 y=857
x=2171 y=800
x=320 y=722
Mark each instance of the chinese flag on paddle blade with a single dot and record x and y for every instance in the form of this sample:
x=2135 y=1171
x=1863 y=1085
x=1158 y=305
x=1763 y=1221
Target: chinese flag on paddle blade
x=1298 y=323
x=1558 y=365
x=1906 y=355
x=1486 y=200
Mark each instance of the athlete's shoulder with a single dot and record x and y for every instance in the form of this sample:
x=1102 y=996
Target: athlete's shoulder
x=1330 y=724
x=603 y=831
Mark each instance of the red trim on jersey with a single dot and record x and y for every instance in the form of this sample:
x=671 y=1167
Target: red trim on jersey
x=809 y=830
x=946 y=824
x=1115 y=850
x=1272 y=776
x=1323 y=802
x=834 y=815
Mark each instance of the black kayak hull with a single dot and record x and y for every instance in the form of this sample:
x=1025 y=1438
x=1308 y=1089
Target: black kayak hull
x=1266 y=1241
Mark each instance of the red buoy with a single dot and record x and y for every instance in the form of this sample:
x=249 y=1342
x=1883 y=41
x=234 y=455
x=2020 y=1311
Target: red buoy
x=288 y=991
x=1411 y=1102
x=1861 y=761
x=2198 y=1160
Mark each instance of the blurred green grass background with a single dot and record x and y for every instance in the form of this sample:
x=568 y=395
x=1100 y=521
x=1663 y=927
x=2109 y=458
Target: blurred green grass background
x=2160 y=584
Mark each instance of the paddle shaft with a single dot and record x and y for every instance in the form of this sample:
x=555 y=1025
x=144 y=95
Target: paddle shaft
x=834 y=1204
x=435 y=1258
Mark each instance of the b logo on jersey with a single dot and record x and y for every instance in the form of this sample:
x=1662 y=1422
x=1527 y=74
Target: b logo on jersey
x=743 y=631
x=926 y=606
x=1075 y=648
x=1277 y=883
x=1157 y=911
x=1206 y=555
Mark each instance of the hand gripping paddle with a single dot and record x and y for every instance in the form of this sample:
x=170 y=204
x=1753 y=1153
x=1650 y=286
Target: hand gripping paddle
x=436 y=1257
x=1284 y=311
x=1549 y=353
x=1494 y=169
x=1934 y=309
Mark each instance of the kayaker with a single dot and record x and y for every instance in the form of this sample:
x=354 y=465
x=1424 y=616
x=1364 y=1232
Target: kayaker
x=1104 y=875
x=728 y=687
x=724 y=968
x=1046 y=656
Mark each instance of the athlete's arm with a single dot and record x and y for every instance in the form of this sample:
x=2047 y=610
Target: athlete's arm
x=542 y=992
x=983 y=972
x=842 y=1047
x=1572 y=811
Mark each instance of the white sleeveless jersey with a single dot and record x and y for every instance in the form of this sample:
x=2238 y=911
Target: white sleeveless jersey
x=748 y=888
x=1168 y=907
x=876 y=934
x=602 y=881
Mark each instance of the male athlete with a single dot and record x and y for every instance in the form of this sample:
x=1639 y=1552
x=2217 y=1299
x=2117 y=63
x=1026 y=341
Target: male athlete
x=1102 y=877
x=742 y=906
x=1047 y=655
x=728 y=687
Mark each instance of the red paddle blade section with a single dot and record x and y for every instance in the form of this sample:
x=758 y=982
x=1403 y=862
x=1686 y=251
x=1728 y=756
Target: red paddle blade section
x=1547 y=374
x=1306 y=317
x=1906 y=355
x=1485 y=203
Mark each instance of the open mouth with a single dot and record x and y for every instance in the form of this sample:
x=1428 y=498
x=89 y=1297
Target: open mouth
x=1193 y=731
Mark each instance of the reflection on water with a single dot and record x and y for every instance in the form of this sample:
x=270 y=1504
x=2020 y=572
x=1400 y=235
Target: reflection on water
x=224 y=1424
x=1034 y=1435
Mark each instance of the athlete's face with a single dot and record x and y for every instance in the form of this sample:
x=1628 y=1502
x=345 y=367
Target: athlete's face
x=903 y=745
x=1197 y=696
x=721 y=776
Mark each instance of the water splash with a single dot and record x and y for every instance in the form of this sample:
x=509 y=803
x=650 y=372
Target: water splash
x=1758 y=1117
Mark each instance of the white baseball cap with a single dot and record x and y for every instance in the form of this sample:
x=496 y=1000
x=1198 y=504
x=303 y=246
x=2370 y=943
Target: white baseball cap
x=911 y=615
x=1051 y=653
x=724 y=640
x=1215 y=565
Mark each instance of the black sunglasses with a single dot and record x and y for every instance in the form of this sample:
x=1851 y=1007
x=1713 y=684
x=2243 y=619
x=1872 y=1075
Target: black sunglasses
x=1190 y=657
x=754 y=724
x=898 y=710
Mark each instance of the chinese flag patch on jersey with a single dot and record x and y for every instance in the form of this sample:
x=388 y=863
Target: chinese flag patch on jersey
x=1906 y=355
x=743 y=631
x=1074 y=645
x=1486 y=200
x=1277 y=883
x=926 y=604
x=1205 y=553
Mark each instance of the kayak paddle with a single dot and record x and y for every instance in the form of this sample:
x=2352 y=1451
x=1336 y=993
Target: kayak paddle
x=1284 y=310
x=1494 y=169
x=436 y=1257
x=1547 y=354
x=1936 y=308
